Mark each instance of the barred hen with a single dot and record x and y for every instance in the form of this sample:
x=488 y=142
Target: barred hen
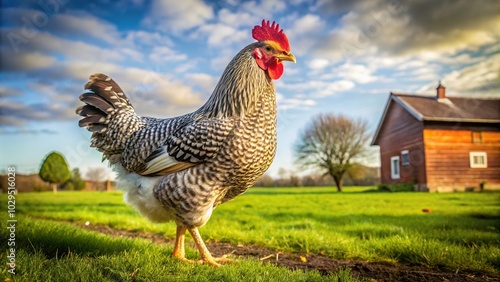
x=180 y=169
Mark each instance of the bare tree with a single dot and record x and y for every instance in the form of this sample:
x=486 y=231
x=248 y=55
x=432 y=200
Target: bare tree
x=265 y=181
x=96 y=175
x=333 y=144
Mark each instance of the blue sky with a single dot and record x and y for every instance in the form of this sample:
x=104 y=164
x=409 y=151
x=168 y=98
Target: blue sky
x=168 y=55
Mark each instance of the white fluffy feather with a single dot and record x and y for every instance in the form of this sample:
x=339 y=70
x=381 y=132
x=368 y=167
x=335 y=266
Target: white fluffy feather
x=139 y=194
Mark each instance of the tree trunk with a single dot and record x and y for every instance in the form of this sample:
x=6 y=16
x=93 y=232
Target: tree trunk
x=54 y=187
x=338 y=182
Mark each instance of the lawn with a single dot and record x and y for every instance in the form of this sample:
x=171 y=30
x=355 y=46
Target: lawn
x=459 y=233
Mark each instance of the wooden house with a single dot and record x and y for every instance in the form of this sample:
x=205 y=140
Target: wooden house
x=440 y=143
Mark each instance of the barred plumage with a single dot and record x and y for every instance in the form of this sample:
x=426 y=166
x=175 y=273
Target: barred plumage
x=181 y=168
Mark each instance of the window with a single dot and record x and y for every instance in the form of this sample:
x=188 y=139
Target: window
x=478 y=159
x=405 y=157
x=395 y=167
x=477 y=137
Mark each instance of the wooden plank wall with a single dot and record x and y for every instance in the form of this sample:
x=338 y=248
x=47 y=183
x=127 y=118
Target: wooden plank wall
x=402 y=131
x=447 y=159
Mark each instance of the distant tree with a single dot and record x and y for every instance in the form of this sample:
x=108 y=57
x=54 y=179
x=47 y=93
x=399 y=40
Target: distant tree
x=308 y=180
x=363 y=175
x=96 y=175
x=295 y=181
x=264 y=181
x=76 y=179
x=75 y=182
x=334 y=144
x=283 y=173
x=54 y=170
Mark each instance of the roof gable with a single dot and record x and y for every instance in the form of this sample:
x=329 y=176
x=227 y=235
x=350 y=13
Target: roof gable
x=451 y=109
x=459 y=109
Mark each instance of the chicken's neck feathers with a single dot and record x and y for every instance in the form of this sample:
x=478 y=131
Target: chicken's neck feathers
x=240 y=87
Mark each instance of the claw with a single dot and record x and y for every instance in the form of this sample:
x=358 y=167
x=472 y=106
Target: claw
x=210 y=261
x=216 y=261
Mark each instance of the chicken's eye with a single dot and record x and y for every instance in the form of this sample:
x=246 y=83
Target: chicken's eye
x=269 y=48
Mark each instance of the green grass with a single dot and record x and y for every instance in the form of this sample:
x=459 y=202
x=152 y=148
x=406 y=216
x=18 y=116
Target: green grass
x=52 y=251
x=460 y=233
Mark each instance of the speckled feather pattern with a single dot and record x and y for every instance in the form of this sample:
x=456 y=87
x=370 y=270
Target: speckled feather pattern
x=228 y=143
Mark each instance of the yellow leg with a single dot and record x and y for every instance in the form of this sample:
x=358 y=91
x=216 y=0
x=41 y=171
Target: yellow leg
x=206 y=256
x=179 y=251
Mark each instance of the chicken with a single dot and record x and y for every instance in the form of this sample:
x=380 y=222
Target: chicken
x=180 y=169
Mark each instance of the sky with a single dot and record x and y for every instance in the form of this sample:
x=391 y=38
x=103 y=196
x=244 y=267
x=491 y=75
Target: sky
x=168 y=55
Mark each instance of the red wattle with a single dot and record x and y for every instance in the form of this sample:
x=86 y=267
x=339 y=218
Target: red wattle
x=275 y=70
x=273 y=67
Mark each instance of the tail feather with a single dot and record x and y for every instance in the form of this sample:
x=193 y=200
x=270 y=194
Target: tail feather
x=108 y=114
x=97 y=101
x=88 y=110
x=108 y=89
x=96 y=128
x=91 y=119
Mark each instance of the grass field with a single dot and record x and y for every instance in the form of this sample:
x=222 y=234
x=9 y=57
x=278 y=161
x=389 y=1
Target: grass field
x=460 y=233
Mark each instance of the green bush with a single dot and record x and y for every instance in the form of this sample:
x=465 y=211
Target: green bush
x=399 y=187
x=41 y=188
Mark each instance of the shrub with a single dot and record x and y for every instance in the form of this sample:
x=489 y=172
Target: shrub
x=399 y=187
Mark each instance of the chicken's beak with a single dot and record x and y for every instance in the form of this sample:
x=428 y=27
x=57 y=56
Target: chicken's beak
x=287 y=57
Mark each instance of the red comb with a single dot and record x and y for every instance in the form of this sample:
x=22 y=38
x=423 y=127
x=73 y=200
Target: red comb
x=271 y=32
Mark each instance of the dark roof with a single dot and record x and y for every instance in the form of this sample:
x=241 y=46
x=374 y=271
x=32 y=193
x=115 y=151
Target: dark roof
x=449 y=109
x=463 y=109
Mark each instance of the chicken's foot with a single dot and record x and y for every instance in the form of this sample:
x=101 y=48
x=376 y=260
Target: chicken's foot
x=206 y=256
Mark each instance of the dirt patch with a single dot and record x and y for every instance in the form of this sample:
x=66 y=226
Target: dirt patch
x=361 y=269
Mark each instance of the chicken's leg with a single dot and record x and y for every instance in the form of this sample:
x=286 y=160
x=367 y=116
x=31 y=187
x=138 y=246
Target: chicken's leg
x=179 y=251
x=206 y=256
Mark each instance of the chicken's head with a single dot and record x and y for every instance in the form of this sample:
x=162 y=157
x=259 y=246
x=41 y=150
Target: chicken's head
x=274 y=49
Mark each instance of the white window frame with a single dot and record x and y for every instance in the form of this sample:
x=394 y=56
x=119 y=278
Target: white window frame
x=473 y=164
x=405 y=152
x=395 y=171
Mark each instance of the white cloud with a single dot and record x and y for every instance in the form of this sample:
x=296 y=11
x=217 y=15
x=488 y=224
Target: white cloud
x=335 y=87
x=135 y=38
x=460 y=59
x=426 y=28
x=273 y=5
x=132 y=54
x=355 y=72
x=204 y=81
x=150 y=90
x=481 y=78
x=26 y=61
x=7 y=91
x=50 y=44
x=16 y=113
x=264 y=9
x=222 y=34
x=298 y=102
x=237 y=18
x=410 y=64
x=178 y=16
x=319 y=88
x=492 y=49
x=83 y=25
x=306 y=24
x=161 y=54
x=304 y=34
x=425 y=73
x=318 y=64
